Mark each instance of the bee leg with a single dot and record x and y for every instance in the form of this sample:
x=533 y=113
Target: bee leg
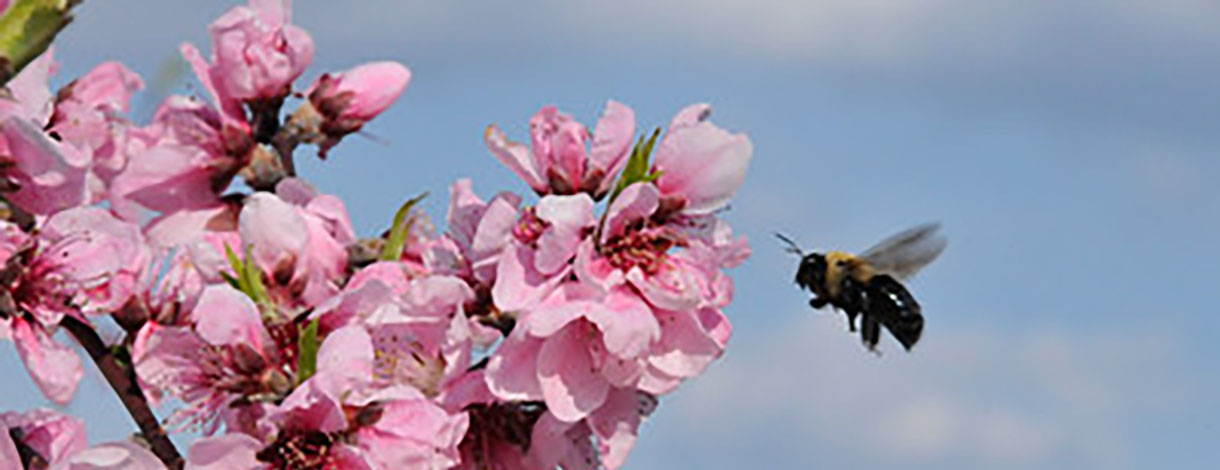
x=818 y=302
x=871 y=332
x=851 y=319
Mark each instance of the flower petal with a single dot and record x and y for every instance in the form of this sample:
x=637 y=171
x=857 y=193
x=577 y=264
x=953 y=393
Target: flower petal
x=112 y=456
x=627 y=323
x=569 y=217
x=274 y=229
x=228 y=452
x=616 y=425
x=518 y=285
x=55 y=368
x=516 y=157
x=571 y=385
x=612 y=140
x=512 y=370
x=225 y=316
x=638 y=201
x=703 y=164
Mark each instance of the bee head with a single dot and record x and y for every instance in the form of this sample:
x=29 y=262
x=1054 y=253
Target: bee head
x=812 y=273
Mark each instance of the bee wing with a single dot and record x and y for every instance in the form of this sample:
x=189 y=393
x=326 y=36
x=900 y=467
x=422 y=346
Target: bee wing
x=904 y=254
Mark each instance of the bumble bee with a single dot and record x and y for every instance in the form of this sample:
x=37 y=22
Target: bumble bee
x=868 y=286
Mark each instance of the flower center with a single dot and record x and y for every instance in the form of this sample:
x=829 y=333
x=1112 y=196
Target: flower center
x=645 y=249
x=529 y=227
x=301 y=450
x=399 y=358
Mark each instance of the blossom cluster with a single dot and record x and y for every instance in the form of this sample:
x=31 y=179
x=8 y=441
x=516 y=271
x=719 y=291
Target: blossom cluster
x=530 y=333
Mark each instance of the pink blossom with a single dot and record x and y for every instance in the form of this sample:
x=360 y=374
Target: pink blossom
x=83 y=262
x=429 y=345
x=563 y=444
x=194 y=264
x=92 y=258
x=360 y=302
x=190 y=160
x=257 y=53
x=401 y=427
x=413 y=433
x=544 y=241
x=108 y=87
x=420 y=337
x=55 y=368
x=573 y=348
x=228 y=354
x=701 y=165
x=50 y=435
x=47 y=439
x=334 y=420
x=45 y=176
x=274 y=231
x=480 y=229
x=641 y=314
x=301 y=245
x=351 y=98
x=89 y=113
x=639 y=256
x=559 y=160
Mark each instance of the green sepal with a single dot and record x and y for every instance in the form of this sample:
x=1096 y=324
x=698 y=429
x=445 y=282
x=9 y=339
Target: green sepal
x=396 y=242
x=637 y=168
x=248 y=278
x=307 y=352
x=254 y=280
x=231 y=280
x=238 y=278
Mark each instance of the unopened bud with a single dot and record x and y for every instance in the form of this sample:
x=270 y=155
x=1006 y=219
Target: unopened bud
x=349 y=99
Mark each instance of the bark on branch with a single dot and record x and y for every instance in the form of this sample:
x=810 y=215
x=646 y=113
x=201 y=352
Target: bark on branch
x=122 y=378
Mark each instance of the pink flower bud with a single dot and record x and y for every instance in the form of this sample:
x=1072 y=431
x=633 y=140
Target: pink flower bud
x=257 y=52
x=346 y=100
x=360 y=94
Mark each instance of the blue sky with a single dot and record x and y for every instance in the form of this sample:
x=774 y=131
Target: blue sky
x=1067 y=146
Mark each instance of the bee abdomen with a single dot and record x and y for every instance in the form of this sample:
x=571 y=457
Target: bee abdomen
x=895 y=309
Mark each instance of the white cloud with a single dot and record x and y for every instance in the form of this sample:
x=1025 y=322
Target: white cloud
x=963 y=398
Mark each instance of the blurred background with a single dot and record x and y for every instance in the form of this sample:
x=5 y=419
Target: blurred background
x=1070 y=147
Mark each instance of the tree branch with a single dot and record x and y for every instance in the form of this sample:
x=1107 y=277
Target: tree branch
x=122 y=379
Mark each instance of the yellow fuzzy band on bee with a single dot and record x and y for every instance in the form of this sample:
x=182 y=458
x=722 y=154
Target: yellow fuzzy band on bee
x=840 y=264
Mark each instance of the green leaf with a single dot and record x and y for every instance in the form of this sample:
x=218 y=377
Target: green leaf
x=397 y=240
x=26 y=31
x=307 y=352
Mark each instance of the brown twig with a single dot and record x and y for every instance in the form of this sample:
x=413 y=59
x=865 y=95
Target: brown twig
x=122 y=379
x=285 y=144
